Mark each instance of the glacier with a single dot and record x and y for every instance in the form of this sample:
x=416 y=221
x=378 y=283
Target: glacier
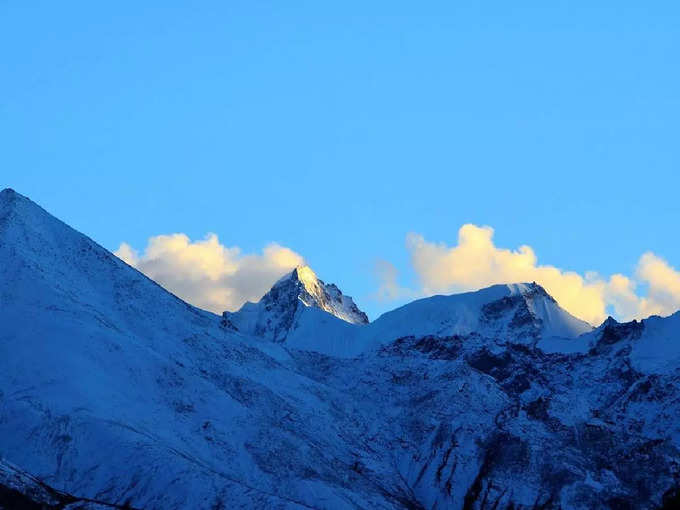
x=114 y=393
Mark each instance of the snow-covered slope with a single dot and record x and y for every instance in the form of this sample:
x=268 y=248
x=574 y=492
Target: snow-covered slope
x=520 y=312
x=22 y=491
x=279 y=311
x=114 y=390
x=657 y=350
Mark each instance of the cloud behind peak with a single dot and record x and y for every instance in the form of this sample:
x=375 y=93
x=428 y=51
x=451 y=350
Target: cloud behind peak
x=208 y=274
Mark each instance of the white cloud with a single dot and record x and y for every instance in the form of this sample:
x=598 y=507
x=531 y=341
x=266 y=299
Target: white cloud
x=663 y=282
x=217 y=277
x=476 y=262
x=208 y=274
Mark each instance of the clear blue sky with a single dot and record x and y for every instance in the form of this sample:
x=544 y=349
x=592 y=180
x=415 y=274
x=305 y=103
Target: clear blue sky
x=336 y=128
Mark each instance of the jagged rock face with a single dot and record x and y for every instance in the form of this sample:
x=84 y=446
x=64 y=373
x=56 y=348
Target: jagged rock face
x=114 y=391
x=515 y=313
x=275 y=315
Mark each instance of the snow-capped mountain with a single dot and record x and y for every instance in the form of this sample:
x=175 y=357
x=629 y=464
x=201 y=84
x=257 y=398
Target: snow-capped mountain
x=521 y=312
x=115 y=393
x=279 y=310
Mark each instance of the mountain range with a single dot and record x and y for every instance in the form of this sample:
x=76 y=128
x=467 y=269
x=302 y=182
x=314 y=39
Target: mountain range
x=114 y=393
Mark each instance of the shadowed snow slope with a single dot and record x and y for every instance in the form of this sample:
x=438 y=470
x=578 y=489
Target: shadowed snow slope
x=116 y=391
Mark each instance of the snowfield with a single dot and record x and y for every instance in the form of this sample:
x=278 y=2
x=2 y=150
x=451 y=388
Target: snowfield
x=115 y=393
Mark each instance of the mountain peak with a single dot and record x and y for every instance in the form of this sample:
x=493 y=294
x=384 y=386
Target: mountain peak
x=529 y=291
x=24 y=223
x=302 y=284
x=609 y=321
x=302 y=274
x=18 y=207
x=9 y=197
x=277 y=313
x=545 y=313
x=305 y=274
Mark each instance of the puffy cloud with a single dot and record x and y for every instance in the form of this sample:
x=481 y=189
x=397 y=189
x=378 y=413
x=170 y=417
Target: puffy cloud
x=126 y=253
x=476 y=262
x=208 y=274
x=217 y=278
x=663 y=282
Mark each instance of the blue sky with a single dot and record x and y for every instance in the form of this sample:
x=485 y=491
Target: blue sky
x=335 y=129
